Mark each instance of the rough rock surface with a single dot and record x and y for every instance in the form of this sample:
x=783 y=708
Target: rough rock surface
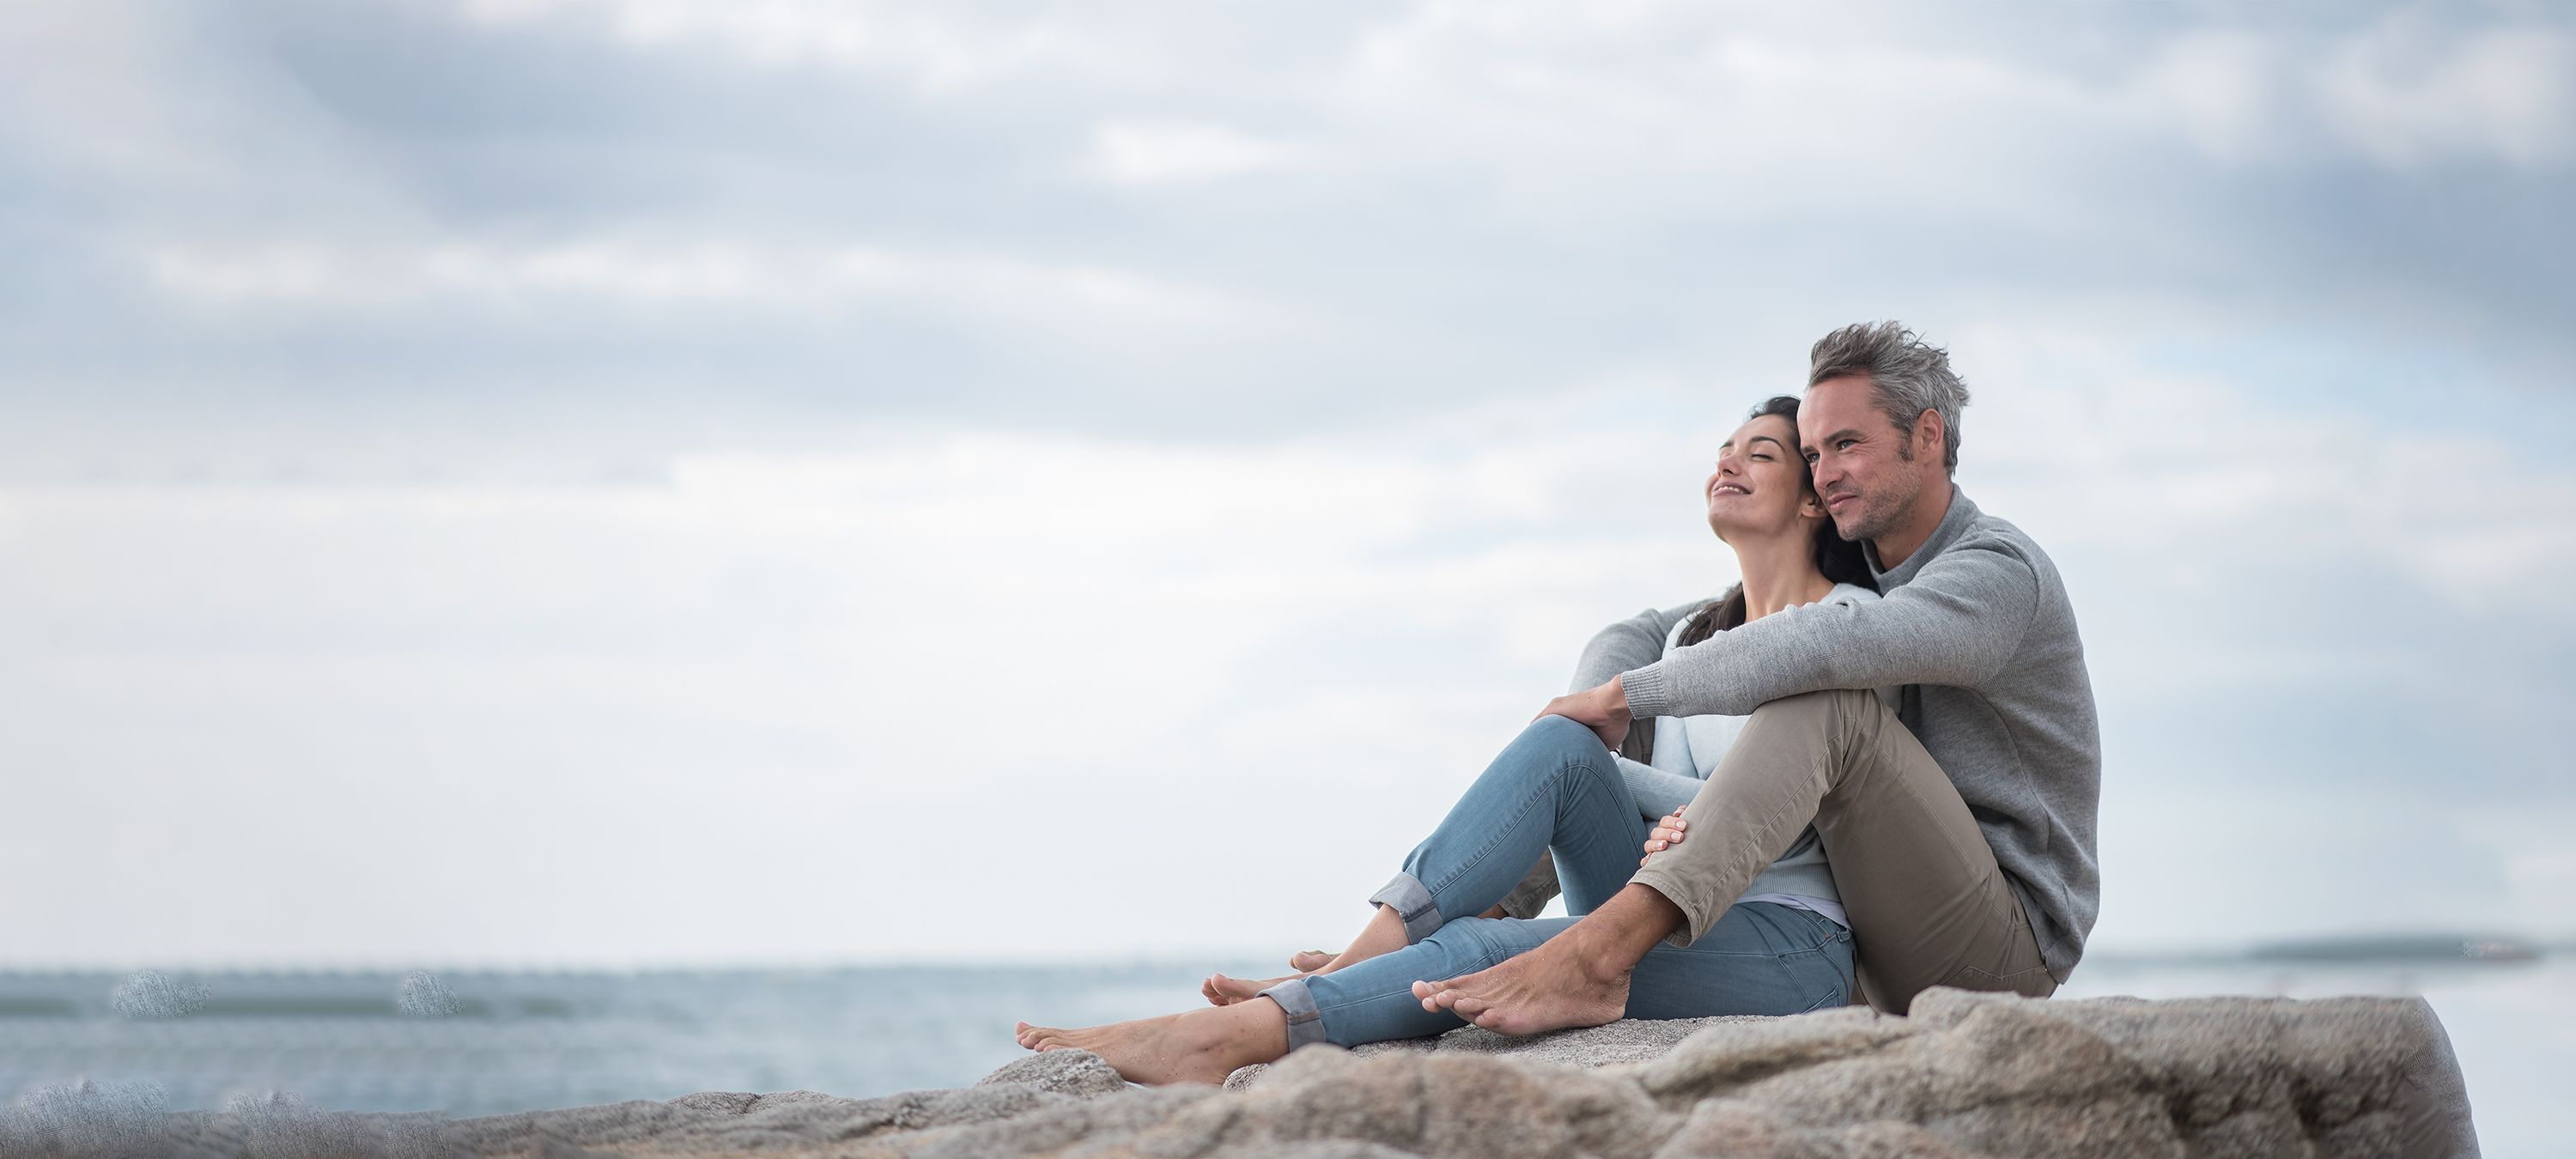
x=1598 y=1046
x=1964 y=1075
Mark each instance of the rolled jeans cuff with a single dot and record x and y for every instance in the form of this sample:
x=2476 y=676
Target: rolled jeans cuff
x=1305 y=1023
x=1411 y=902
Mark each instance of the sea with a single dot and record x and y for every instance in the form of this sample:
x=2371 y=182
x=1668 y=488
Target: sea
x=469 y=1042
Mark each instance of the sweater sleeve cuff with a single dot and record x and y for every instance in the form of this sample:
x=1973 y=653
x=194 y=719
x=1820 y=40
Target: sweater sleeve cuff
x=1648 y=693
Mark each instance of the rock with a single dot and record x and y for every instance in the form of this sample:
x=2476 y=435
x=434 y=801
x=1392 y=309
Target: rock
x=1079 y=1073
x=153 y=994
x=423 y=995
x=84 y=1117
x=1965 y=1075
x=1627 y=1040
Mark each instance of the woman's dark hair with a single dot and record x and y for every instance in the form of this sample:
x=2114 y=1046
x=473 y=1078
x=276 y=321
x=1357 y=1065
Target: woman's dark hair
x=1840 y=559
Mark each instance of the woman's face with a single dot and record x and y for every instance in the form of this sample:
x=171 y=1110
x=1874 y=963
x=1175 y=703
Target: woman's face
x=1759 y=485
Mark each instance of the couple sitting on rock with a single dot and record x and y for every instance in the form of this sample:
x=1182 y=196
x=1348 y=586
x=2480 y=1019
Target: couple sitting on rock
x=1875 y=764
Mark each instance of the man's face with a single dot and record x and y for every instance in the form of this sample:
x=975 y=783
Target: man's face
x=1865 y=471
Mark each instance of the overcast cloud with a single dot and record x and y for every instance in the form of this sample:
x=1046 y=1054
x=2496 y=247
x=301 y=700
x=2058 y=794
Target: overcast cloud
x=634 y=481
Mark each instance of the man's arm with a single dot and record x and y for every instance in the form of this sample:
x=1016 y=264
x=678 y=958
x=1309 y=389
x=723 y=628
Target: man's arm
x=1956 y=623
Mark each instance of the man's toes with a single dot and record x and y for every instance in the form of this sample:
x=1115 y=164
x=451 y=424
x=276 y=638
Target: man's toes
x=1309 y=961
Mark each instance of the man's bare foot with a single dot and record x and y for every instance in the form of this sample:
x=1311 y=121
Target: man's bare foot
x=1549 y=988
x=1200 y=1046
x=1310 y=961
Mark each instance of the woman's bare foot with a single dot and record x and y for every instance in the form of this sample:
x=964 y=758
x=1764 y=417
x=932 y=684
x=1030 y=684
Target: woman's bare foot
x=1549 y=988
x=1199 y=1046
x=1383 y=933
x=1220 y=990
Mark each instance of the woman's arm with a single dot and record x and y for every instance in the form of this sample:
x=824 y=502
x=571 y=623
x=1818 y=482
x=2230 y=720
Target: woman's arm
x=1631 y=643
x=1659 y=793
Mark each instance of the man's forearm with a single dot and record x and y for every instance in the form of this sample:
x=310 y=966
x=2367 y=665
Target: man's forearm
x=1953 y=625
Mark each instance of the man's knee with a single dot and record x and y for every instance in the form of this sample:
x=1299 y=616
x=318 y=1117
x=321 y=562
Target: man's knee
x=1819 y=707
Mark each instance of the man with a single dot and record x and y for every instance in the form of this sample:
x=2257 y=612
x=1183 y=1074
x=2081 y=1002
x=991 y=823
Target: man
x=1960 y=829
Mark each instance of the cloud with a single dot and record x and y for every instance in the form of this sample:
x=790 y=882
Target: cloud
x=812 y=281
x=940 y=48
x=2404 y=97
x=1163 y=153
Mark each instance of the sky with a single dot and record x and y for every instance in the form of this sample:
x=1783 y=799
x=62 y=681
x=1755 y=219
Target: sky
x=680 y=482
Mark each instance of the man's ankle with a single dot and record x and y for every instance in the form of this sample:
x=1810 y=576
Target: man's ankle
x=1613 y=938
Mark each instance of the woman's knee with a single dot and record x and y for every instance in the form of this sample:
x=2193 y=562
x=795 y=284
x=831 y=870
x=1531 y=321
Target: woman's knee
x=1554 y=744
x=1561 y=732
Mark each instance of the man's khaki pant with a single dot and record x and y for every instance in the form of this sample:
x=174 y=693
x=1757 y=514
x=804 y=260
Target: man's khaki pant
x=1928 y=905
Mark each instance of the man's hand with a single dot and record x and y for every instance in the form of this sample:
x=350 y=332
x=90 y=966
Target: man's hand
x=1604 y=710
x=1667 y=833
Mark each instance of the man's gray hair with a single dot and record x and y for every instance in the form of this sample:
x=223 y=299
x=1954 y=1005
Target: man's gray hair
x=1907 y=376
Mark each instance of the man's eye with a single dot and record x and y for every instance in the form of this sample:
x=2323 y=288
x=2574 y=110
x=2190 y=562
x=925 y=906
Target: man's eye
x=1845 y=444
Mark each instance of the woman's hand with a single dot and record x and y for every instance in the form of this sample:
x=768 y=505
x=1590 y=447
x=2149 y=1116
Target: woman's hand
x=1667 y=833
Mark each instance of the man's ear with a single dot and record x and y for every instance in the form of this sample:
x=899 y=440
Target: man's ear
x=1929 y=433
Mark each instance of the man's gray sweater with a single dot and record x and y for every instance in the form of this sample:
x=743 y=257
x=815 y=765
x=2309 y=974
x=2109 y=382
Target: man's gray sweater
x=1977 y=627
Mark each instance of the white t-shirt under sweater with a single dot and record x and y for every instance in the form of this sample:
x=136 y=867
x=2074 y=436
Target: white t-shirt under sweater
x=1687 y=748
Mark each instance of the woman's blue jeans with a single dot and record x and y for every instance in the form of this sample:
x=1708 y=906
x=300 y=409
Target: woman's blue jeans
x=1556 y=789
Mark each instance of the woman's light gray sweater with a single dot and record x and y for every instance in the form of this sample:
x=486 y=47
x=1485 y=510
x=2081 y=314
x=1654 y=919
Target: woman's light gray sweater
x=1977 y=625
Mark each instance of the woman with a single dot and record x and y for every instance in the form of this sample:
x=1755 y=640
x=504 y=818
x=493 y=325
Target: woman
x=1782 y=948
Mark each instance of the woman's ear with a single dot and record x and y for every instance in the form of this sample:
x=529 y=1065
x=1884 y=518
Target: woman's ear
x=1811 y=506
